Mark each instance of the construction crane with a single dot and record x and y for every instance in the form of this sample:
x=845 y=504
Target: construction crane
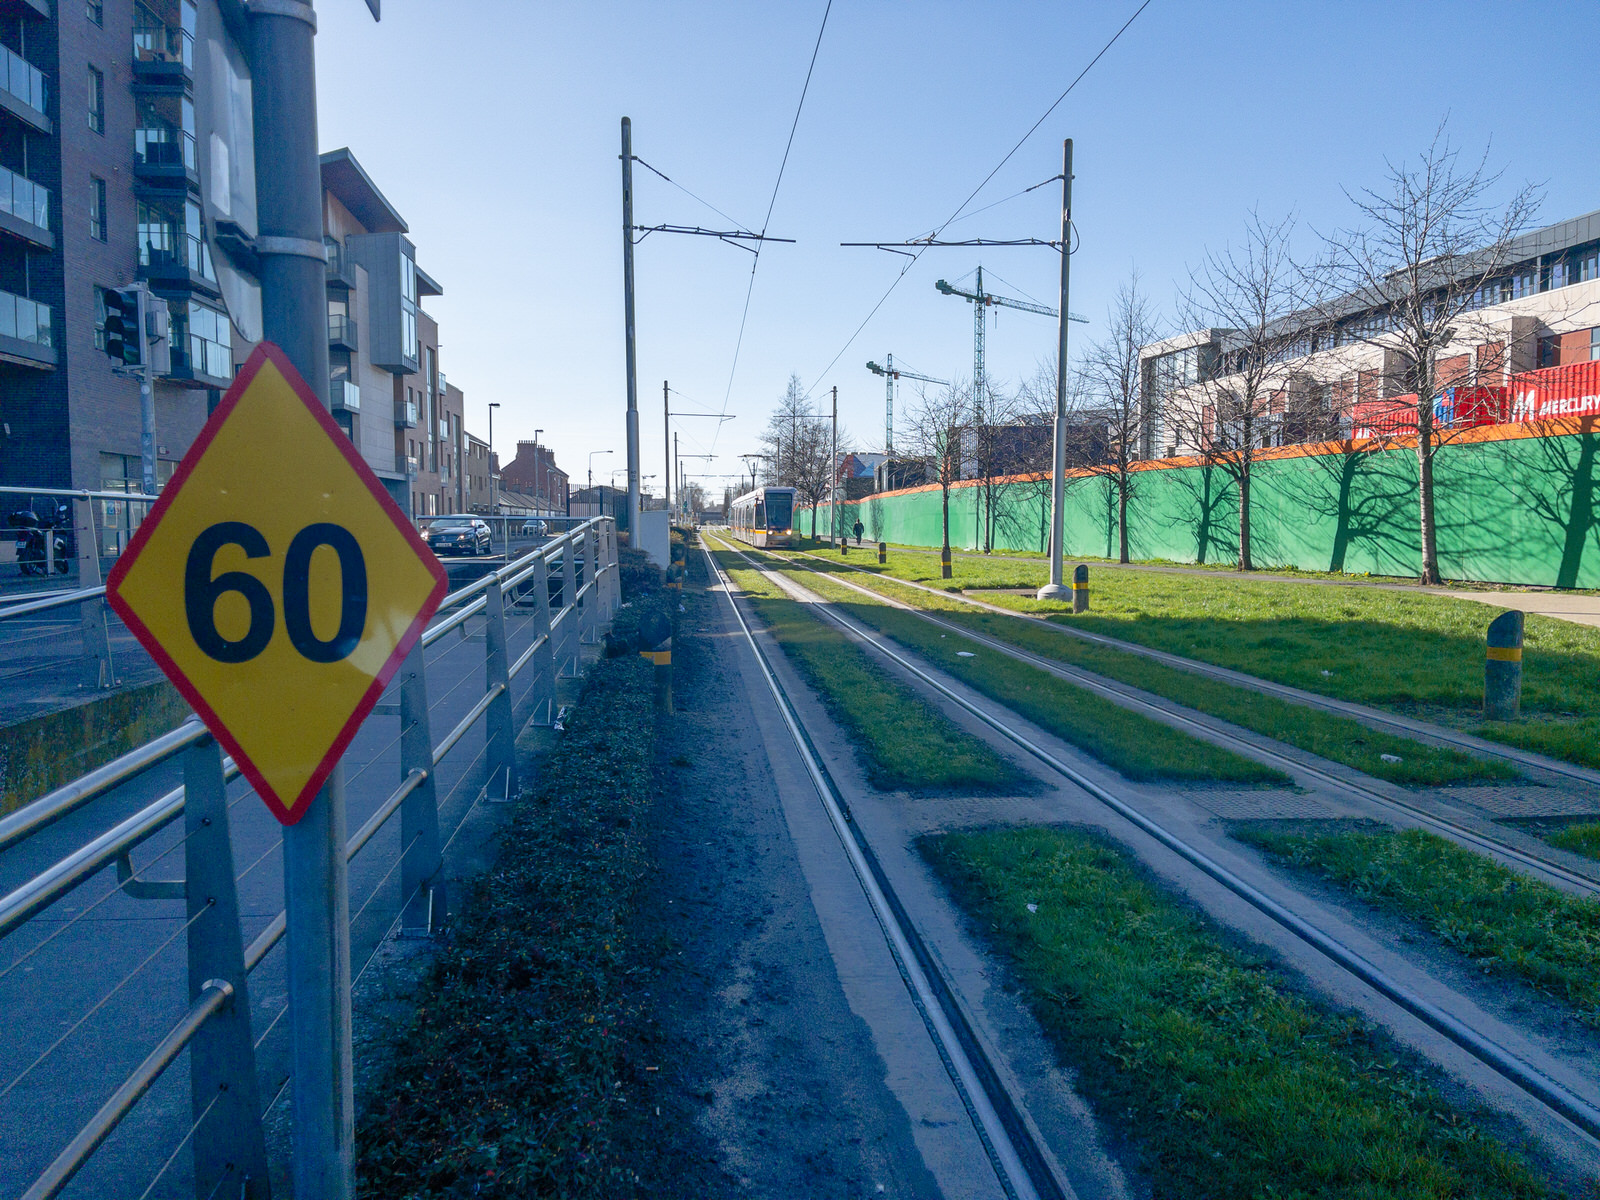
x=891 y=373
x=981 y=300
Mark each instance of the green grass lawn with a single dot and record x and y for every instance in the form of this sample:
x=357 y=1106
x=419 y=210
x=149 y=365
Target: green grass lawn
x=901 y=741
x=1580 y=839
x=1399 y=650
x=1333 y=737
x=1504 y=922
x=1133 y=745
x=1198 y=1053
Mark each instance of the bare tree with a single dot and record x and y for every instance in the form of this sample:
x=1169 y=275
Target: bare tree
x=1432 y=249
x=1035 y=404
x=1113 y=389
x=800 y=449
x=936 y=424
x=1245 y=291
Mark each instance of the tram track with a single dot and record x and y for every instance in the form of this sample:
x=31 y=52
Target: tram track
x=1021 y=1166
x=1535 y=1083
x=1394 y=722
x=1223 y=734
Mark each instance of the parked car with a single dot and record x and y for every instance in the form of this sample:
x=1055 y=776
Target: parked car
x=459 y=535
x=534 y=527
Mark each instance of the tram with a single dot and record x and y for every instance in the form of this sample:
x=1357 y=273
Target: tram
x=764 y=517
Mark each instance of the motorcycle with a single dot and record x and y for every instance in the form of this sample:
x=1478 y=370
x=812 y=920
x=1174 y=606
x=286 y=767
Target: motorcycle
x=32 y=530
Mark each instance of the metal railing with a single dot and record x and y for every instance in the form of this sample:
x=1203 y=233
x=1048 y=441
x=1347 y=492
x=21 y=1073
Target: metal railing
x=25 y=319
x=565 y=591
x=163 y=146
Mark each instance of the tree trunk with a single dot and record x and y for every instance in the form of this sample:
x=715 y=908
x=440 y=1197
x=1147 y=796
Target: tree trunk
x=1122 y=519
x=1430 y=546
x=1244 y=518
x=945 y=497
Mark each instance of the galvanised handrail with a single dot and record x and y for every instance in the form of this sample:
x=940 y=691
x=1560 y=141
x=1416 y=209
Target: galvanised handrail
x=208 y=841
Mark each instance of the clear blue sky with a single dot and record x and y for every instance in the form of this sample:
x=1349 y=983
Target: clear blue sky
x=493 y=126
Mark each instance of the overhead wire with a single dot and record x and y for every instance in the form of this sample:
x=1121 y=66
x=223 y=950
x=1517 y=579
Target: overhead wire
x=755 y=262
x=740 y=225
x=850 y=341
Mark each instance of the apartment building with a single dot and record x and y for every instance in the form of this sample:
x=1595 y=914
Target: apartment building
x=127 y=158
x=1512 y=358
x=476 y=463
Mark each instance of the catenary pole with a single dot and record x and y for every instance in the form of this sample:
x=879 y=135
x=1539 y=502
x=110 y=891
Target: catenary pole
x=833 y=477
x=627 y=323
x=666 y=437
x=294 y=304
x=1055 y=589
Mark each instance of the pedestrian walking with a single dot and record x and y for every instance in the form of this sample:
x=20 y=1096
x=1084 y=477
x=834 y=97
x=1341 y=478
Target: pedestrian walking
x=860 y=528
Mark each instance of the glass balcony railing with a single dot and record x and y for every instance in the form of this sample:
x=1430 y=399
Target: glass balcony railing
x=157 y=42
x=161 y=147
x=24 y=319
x=21 y=197
x=405 y=413
x=345 y=394
x=342 y=329
x=172 y=251
x=22 y=79
x=441 y=383
x=413 y=465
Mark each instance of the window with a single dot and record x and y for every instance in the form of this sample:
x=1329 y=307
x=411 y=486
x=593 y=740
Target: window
x=96 y=11
x=1594 y=344
x=97 y=208
x=1525 y=283
x=97 y=101
x=210 y=342
x=99 y=318
x=408 y=306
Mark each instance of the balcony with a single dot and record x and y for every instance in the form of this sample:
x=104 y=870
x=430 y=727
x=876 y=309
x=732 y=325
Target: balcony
x=202 y=364
x=413 y=465
x=163 y=55
x=441 y=385
x=25 y=209
x=22 y=90
x=165 y=157
x=341 y=268
x=168 y=259
x=345 y=394
x=26 y=334
x=342 y=332
x=405 y=413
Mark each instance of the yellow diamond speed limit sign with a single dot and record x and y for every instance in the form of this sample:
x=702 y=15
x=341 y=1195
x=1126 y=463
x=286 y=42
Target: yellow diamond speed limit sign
x=276 y=583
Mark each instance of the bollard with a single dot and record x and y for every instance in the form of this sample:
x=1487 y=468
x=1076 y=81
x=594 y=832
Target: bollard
x=661 y=656
x=1080 y=588
x=844 y=547
x=1502 y=668
x=944 y=562
x=883 y=552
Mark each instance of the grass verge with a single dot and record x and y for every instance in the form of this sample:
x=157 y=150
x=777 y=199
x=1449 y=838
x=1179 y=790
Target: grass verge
x=1339 y=739
x=1135 y=746
x=1503 y=922
x=901 y=741
x=1392 y=648
x=1580 y=839
x=1222 y=1081
x=516 y=1070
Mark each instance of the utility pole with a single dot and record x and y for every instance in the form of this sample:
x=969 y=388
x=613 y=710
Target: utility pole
x=634 y=507
x=147 y=397
x=1056 y=589
x=833 y=476
x=666 y=433
x=294 y=304
x=672 y=471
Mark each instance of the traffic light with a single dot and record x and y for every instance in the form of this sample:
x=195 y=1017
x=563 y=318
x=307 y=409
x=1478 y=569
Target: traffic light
x=124 y=338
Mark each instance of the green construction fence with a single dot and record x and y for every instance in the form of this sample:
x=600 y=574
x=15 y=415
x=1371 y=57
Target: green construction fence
x=1512 y=508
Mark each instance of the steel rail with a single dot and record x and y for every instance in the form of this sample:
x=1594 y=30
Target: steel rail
x=80 y=494
x=384 y=811
x=1018 y=1162
x=466 y=723
x=522 y=660
x=1549 y=1092
x=214 y=993
x=52 y=806
x=1283 y=691
x=1208 y=728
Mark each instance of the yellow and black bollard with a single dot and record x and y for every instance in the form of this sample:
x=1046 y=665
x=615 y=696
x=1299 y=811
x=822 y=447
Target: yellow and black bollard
x=1080 y=588
x=661 y=656
x=883 y=552
x=944 y=563
x=1502 y=668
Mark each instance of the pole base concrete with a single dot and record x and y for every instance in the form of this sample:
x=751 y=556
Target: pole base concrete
x=1055 y=591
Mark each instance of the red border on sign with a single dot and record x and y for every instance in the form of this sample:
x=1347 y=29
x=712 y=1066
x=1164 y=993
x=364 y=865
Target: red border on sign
x=287 y=814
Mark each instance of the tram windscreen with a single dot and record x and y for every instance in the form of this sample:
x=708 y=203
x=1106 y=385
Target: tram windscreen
x=780 y=510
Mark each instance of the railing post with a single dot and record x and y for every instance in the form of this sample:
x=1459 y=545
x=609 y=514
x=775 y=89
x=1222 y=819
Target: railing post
x=502 y=731
x=229 y=1147
x=543 y=662
x=614 y=576
x=569 y=600
x=591 y=570
x=421 y=898
x=98 y=671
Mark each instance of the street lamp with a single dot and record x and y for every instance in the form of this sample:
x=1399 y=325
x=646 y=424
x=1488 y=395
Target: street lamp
x=494 y=480
x=592 y=453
